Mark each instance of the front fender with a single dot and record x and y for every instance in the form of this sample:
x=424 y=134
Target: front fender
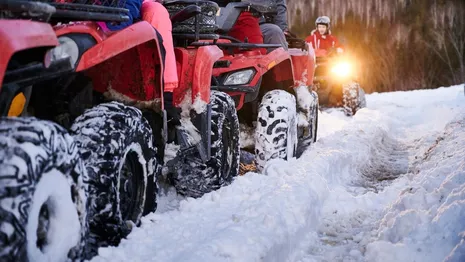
x=303 y=64
x=125 y=65
x=116 y=43
x=18 y=35
x=195 y=69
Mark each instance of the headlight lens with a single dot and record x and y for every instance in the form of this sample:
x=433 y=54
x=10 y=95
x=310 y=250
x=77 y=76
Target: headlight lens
x=239 y=78
x=341 y=69
x=66 y=48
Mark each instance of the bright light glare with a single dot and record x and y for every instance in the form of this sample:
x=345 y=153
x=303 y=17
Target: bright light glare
x=341 y=69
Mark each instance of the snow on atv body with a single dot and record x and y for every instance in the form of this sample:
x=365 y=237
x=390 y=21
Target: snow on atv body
x=265 y=86
x=336 y=82
x=110 y=97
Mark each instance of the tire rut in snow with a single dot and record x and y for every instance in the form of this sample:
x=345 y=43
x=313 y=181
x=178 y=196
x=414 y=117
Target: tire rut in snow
x=389 y=158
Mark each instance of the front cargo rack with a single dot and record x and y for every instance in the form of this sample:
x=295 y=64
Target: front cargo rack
x=65 y=10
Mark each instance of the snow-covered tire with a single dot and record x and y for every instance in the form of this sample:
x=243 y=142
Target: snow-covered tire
x=195 y=178
x=276 y=132
x=42 y=195
x=115 y=141
x=353 y=98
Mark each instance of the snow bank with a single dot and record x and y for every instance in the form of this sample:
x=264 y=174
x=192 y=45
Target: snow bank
x=427 y=221
x=393 y=220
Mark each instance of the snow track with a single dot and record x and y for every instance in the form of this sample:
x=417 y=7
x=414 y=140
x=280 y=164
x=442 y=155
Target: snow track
x=363 y=192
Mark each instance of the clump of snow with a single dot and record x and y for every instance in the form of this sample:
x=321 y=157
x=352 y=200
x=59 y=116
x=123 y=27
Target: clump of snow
x=114 y=95
x=305 y=100
x=387 y=184
x=247 y=135
x=302 y=119
x=199 y=105
x=186 y=123
x=171 y=150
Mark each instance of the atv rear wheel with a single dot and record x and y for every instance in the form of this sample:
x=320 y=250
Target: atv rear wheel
x=276 y=132
x=42 y=196
x=192 y=177
x=117 y=145
x=353 y=98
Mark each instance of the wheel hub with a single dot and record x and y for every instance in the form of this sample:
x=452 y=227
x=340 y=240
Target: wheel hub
x=43 y=226
x=129 y=190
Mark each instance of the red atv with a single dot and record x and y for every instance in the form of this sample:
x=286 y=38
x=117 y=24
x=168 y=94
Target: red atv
x=264 y=87
x=336 y=82
x=63 y=196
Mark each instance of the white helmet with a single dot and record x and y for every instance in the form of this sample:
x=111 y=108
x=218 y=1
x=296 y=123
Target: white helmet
x=323 y=20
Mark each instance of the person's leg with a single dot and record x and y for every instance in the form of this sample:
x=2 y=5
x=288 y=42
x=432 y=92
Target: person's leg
x=272 y=34
x=157 y=15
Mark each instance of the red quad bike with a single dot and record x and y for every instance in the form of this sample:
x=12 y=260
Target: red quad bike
x=85 y=122
x=264 y=87
x=40 y=168
x=335 y=82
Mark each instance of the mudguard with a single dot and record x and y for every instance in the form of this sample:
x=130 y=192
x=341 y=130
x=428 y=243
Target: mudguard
x=18 y=35
x=194 y=73
x=303 y=64
x=125 y=65
x=109 y=44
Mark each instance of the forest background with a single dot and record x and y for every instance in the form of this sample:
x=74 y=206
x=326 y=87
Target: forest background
x=398 y=44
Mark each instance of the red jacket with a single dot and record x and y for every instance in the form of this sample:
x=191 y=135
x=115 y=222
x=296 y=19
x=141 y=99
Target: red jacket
x=247 y=26
x=319 y=41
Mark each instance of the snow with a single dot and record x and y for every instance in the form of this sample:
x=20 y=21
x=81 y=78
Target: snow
x=387 y=184
x=304 y=98
x=63 y=232
x=247 y=135
x=171 y=150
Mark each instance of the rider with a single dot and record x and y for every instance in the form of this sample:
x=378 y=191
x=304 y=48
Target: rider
x=321 y=37
x=275 y=27
x=261 y=30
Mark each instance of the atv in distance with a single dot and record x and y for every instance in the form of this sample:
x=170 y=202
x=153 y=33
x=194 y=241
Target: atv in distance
x=335 y=82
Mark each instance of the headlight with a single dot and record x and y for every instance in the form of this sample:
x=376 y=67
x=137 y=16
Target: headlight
x=239 y=78
x=66 y=48
x=341 y=69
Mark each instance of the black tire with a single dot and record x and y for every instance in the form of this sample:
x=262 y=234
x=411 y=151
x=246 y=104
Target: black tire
x=315 y=123
x=276 y=132
x=353 y=98
x=42 y=196
x=194 y=178
x=115 y=141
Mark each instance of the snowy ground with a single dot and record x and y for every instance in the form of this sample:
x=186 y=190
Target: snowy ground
x=385 y=185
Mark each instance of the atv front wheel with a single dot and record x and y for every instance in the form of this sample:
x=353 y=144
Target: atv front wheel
x=192 y=177
x=353 y=98
x=307 y=127
x=41 y=192
x=116 y=144
x=276 y=132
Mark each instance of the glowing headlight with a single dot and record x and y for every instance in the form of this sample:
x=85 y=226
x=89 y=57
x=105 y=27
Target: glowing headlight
x=66 y=48
x=341 y=69
x=239 y=78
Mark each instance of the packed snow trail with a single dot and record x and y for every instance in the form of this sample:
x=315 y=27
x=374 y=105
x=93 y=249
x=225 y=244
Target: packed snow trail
x=389 y=179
